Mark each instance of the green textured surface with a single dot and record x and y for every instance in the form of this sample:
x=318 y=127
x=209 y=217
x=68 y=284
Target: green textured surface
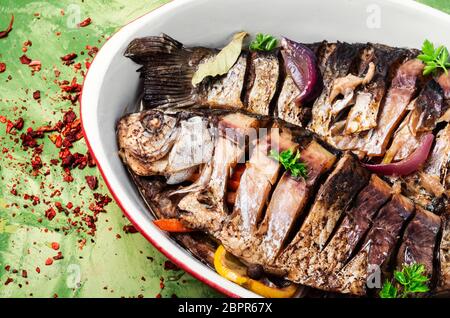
x=108 y=266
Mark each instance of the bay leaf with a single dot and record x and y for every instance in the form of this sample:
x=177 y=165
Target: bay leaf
x=222 y=62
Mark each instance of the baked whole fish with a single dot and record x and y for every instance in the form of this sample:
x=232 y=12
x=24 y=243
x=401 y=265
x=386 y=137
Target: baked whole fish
x=206 y=155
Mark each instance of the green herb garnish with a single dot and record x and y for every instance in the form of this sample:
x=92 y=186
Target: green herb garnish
x=409 y=280
x=434 y=58
x=290 y=162
x=263 y=42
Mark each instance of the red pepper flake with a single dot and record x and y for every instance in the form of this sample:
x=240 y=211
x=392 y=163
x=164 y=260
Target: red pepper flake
x=55 y=246
x=129 y=229
x=4 y=34
x=36 y=162
x=49 y=261
x=24 y=273
x=7 y=268
x=2 y=67
x=84 y=23
x=58 y=256
x=25 y=59
x=92 y=50
x=38 y=270
x=92 y=182
x=168 y=265
x=18 y=125
x=69 y=205
x=35 y=65
x=8 y=281
x=27 y=43
x=50 y=214
x=14 y=192
x=68 y=58
x=37 y=94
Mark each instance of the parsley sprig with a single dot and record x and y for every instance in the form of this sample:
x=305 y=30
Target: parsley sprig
x=263 y=42
x=434 y=58
x=408 y=281
x=291 y=162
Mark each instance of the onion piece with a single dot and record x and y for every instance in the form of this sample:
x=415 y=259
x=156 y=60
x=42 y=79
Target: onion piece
x=408 y=165
x=301 y=64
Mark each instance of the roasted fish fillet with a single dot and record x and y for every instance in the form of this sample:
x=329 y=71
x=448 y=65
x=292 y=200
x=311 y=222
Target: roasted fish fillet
x=204 y=154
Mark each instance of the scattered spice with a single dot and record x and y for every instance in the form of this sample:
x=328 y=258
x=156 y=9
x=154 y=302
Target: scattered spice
x=37 y=94
x=8 y=281
x=85 y=23
x=55 y=246
x=2 y=67
x=168 y=265
x=25 y=59
x=50 y=214
x=129 y=229
x=4 y=34
x=92 y=182
x=68 y=58
x=49 y=261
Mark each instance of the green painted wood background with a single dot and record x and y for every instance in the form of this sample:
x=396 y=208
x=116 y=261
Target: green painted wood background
x=113 y=263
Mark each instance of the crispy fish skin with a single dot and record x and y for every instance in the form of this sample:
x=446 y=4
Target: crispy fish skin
x=443 y=285
x=397 y=100
x=427 y=108
x=419 y=241
x=430 y=183
x=240 y=234
x=262 y=82
x=206 y=209
x=338 y=65
x=355 y=225
x=334 y=196
x=369 y=264
x=363 y=115
x=289 y=200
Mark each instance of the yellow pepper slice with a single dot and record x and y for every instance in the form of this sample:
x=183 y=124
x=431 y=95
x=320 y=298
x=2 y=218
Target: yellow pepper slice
x=232 y=269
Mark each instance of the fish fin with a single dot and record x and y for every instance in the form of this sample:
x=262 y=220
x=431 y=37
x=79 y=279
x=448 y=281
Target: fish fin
x=167 y=70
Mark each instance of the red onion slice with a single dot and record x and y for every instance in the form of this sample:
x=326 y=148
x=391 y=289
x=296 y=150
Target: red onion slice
x=301 y=64
x=408 y=165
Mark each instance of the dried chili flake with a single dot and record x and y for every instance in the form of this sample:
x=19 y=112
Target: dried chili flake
x=92 y=50
x=50 y=214
x=68 y=58
x=55 y=246
x=4 y=34
x=84 y=23
x=24 y=273
x=8 y=281
x=168 y=265
x=92 y=182
x=25 y=59
x=58 y=256
x=90 y=159
x=2 y=67
x=38 y=270
x=59 y=206
x=37 y=94
x=129 y=229
x=35 y=65
x=69 y=117
x=27 y=43
x=49 y=261
x=36 y=163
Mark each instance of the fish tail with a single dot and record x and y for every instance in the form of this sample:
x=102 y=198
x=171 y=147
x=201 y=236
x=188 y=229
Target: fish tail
x=167 y=71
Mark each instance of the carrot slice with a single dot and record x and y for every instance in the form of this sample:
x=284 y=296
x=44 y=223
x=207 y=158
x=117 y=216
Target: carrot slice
x=172 y=225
